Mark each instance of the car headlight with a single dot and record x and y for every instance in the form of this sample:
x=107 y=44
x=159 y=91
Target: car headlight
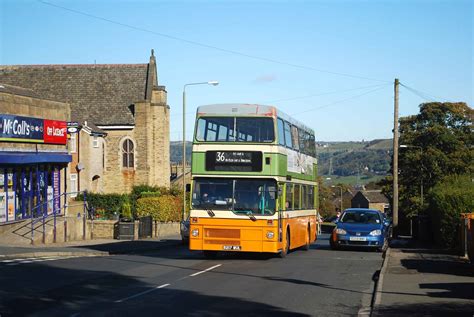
x=377 y=232
x=341 y=231
x=195 y=232
x=270 y=234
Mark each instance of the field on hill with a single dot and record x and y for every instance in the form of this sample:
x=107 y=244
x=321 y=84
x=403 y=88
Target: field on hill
x=348 y=162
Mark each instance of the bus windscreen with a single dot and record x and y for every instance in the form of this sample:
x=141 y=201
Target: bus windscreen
x=235 y=129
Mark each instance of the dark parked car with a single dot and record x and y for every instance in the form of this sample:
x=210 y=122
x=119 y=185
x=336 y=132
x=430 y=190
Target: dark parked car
x=360 y=227
x=328 y=224
x=184 y=229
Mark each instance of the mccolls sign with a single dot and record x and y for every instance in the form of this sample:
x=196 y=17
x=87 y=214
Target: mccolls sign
x=34 y=130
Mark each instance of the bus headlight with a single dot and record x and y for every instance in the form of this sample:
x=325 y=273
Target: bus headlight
x=195 y=232
x=270 y=234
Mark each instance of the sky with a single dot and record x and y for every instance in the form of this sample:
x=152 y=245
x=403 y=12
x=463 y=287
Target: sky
x=329 y=64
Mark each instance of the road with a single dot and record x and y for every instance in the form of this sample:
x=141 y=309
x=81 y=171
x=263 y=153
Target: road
x=174 y=281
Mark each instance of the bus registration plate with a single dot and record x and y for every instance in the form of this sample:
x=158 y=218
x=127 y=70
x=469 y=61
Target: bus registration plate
x=231 y=247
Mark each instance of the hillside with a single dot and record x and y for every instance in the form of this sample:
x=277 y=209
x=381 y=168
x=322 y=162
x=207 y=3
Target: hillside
x=364 y=159
x=358 y=161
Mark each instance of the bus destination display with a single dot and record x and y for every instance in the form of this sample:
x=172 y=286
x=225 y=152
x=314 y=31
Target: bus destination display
x=238 y=161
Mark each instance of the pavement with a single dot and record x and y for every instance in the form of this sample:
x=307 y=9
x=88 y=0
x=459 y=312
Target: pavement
x=416 y=281
x=99 y=247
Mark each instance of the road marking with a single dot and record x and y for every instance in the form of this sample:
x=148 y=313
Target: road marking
x=206 y=270
x=142 y=293
x=13 y=262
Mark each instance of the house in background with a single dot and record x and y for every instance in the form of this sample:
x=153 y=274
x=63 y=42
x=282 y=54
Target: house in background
x=373 y=199
x=124 y=120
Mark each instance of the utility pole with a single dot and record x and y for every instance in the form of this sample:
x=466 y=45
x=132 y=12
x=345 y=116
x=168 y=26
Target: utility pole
x=395 y=159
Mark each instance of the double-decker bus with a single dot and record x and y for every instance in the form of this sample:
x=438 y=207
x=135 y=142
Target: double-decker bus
x=254 y=183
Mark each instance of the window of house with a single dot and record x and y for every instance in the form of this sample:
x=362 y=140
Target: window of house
x=128 y=154
x=95 y=141
x=73 y=183
x=73 y=142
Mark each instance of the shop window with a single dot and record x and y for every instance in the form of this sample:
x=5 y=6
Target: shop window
x=73 y=142
x=73 y=182
x=128 y=154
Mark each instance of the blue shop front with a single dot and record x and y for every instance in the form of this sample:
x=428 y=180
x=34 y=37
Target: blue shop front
x=33 y=161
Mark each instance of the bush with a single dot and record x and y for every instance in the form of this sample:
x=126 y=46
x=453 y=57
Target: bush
x=448 y=199
x=106 y=204
x=164 y=208
x=150 y=194
x=126 y=211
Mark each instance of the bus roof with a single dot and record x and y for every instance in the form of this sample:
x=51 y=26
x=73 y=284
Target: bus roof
x=245 y=109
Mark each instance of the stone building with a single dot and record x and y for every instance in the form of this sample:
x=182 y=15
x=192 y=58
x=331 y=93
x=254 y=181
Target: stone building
x=33 y=154
x=123 y=117
x=373 y=199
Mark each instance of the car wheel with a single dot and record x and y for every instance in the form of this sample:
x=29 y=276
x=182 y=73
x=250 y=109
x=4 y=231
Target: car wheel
x=332 y=243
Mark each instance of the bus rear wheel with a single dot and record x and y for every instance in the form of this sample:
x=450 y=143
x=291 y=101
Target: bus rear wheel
x=308 y=239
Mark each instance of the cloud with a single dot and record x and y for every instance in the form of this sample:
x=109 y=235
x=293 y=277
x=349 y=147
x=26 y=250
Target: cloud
x=266 y=78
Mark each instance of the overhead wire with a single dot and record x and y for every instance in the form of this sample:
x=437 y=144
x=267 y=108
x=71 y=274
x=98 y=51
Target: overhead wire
x=422 y=95
x=300 y=97
x=339 y=101
x=270 y=60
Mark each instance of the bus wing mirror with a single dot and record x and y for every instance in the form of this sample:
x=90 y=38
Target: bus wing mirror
x=188 y=188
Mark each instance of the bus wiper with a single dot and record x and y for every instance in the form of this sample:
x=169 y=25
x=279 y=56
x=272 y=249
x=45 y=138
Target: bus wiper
x=248 y=213
x=210 y=212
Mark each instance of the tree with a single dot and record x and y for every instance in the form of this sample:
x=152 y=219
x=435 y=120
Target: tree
x=441 y=141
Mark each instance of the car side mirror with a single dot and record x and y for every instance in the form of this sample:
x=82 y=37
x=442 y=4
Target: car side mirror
x=188 y=188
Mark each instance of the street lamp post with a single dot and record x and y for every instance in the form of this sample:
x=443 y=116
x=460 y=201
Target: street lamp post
x=421 y=178
x=213 y=83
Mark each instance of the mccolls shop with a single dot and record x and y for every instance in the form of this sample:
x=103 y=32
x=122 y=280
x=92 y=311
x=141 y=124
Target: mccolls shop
x=32 y=155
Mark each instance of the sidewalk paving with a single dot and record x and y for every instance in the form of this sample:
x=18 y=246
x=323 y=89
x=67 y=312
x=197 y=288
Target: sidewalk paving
x=99 y=247
x=424 y=282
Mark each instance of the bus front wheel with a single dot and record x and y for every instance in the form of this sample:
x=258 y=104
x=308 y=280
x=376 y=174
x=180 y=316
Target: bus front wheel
x=286 y=246
x=209 y=254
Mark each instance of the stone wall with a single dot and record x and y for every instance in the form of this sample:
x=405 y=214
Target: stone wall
x=150 y=137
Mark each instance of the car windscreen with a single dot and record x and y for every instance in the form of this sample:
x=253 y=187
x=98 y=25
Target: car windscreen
x=365 y=217
x=241 y=196
x=235 y=129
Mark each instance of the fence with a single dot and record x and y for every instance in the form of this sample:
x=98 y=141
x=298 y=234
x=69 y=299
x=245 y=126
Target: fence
x=467 y=236
x=39 y=214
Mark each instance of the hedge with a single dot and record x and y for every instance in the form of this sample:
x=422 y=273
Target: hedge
x=448 y=199
x=106 y=205
x=164 y=208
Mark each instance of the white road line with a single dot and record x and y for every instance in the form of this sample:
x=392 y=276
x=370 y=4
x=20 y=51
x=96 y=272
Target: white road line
x=206 y=270
x=32 y=260
x=142 y=293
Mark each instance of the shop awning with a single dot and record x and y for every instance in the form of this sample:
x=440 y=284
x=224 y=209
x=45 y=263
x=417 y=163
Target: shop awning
x=18 y=158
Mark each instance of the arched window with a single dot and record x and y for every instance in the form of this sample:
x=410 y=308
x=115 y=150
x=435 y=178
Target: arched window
x=128 y=156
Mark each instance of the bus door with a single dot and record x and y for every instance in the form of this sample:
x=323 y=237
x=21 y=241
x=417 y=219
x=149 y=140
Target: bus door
x=281 y=206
